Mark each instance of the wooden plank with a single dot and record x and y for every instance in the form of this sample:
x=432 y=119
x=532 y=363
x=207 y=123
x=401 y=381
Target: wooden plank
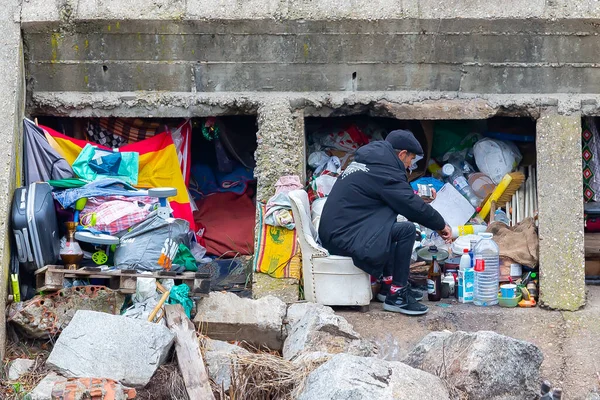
x=188 y=352
x=592 y=245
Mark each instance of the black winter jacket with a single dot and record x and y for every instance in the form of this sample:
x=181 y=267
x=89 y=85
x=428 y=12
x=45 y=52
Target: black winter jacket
x=363 y=204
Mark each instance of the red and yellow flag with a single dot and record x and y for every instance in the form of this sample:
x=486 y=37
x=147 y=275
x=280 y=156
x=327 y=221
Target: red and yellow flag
x=159 y=165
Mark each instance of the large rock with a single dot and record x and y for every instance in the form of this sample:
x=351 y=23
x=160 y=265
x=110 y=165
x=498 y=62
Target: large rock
x=99 y=345
x=316 y=328
x=348 y=377
x=225 y=316
x=483 y=364
x=43 y=390
x=220 y=359
x=19 y=367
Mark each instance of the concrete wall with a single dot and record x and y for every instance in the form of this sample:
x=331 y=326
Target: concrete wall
x=462 y=55
x=11 y=114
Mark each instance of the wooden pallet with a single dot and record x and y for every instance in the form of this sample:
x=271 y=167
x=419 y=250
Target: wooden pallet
x=50 y=278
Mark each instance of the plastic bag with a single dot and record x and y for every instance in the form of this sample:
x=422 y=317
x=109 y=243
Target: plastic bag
x=180 y=294
x=94 y=163
x=315 y=213
x=496 y=158
x=185 y=258
x=151 y=245
x=317 y=158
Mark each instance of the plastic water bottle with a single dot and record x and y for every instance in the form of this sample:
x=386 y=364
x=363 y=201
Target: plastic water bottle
x=487 y=271
x=458 y=180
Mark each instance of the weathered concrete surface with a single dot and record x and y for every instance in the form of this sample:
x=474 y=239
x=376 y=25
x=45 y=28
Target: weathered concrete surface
x=346 y=376
x=315 y=328
x=567 y=339
x=225 y=316
x=285 y=289
x=560 y=182
x=281 y=146
x=39 y=10
x=99 y=345
x=11 y=113
x=19 y=367
x=220 y=359
x=43 y=391
x=483 y=364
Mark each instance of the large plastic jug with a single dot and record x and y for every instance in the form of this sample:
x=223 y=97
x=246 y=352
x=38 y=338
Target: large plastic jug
x=487 y=271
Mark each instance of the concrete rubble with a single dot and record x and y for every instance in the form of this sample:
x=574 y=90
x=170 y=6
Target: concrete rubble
x=483 y=364
x=43 y=391
x=220 y=359
x=91 y=388
x=19 y=367
x=225 y=316
x=350 y=377
x=316 y=328
x=45 y=316
x=108 y=346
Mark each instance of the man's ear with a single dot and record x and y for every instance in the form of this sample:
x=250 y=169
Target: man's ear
x=402 y=154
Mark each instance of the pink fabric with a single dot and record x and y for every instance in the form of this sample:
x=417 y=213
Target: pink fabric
x=114 y=216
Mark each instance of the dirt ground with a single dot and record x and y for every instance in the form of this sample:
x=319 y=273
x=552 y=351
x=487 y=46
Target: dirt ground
x=570 y=341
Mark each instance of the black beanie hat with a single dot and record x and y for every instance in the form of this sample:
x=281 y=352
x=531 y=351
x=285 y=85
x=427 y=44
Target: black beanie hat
x=404 y=140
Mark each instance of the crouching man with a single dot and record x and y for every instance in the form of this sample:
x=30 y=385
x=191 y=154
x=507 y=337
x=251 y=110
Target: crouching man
x=359 y=217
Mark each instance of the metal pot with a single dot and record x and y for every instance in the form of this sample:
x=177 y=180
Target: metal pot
x=426 y=254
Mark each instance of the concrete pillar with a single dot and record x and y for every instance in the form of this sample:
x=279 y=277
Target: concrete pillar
x=560 y=182
x=12 y=99
x=281 y=143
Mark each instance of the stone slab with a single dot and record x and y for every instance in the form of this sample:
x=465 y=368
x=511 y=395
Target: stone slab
x=227 y=317
x=19 y=367
x=220 y=361
x=99 y=345
x=562 y=264
x=285 y=289
x=43 y=390
x=346 y=377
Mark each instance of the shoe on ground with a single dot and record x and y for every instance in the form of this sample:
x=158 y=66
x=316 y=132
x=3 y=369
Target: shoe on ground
x=385 y=290
x=402 y=302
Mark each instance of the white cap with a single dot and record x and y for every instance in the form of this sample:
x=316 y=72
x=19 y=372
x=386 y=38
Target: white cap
x=448 y=169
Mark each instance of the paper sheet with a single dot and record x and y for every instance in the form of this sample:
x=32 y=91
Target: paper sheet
x=455 y=209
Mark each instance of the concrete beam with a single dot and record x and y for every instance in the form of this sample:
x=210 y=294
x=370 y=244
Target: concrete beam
x=12 y=104
x=560 y=183
x=281 y=146
x=44 y=10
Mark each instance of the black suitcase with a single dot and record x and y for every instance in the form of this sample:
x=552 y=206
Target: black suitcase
x=35 y=226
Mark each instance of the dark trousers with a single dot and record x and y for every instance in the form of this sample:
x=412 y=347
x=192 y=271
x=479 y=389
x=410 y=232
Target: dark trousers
x=403 y=240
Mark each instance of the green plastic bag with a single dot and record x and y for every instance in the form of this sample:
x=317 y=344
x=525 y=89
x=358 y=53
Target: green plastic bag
x=94 y=163
x=453 y=136
x=185 y=258
x=180 y=294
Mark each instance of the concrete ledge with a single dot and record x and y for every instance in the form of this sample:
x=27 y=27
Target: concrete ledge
x=397 y=104
x=43 y=10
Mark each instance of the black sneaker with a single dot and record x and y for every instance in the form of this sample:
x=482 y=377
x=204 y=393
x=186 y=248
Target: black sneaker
x=385 y=290
x=403 y=302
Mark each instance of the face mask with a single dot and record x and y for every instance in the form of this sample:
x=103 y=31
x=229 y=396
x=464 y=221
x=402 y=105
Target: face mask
x=413 y=164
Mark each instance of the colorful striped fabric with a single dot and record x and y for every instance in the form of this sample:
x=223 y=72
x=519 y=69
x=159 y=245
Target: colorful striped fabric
x=159 y=165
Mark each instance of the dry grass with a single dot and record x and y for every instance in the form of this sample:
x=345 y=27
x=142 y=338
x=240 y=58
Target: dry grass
x=166 y=384
x=266 y=376
x=35 y=350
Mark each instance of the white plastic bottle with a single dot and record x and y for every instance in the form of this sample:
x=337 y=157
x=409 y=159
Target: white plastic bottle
x=465 y=260
x=487 y=271
x=457 y=179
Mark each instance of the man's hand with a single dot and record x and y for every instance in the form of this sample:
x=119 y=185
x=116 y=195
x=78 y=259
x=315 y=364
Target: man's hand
x=432 y=198
x=446 y=234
